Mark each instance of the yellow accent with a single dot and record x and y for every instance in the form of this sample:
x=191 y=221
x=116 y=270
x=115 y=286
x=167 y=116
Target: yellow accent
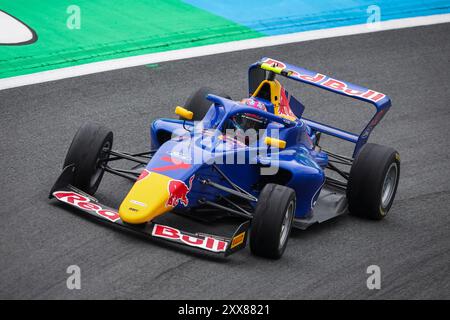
x=184 y=113
x=146 y=200
x=269 y=67
x=287 y=117
x=277 y=143
x=397 y=156
x=275 y=92
x=239 y=239
x=275 y=89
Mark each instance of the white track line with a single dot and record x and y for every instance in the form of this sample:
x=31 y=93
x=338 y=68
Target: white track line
x=114 y=64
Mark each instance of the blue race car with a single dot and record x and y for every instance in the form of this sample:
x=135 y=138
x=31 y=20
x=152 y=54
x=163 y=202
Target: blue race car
x=227 y=170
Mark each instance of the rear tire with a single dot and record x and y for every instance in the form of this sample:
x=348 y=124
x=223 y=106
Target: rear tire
x=373 y=181
x=272 y=221
x=90 y=144
x=198 y=104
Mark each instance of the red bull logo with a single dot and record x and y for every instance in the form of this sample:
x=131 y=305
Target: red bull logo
x=284 y=107
x=178 y=191
x=328 y=82
x=203 y=242
x=84 y=203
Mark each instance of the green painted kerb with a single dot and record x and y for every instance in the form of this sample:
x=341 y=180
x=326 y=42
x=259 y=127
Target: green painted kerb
x=109 y=29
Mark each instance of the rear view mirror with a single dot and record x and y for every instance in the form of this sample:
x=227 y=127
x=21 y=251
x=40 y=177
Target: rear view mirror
x=184 y=113
x=276 y=143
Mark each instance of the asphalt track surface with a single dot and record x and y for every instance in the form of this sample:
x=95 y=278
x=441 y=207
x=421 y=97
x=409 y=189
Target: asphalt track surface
x=40 y=239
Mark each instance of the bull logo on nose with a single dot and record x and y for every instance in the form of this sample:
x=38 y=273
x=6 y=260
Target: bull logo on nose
x=178 y=191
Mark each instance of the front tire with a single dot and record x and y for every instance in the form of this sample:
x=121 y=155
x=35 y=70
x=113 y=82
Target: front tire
x=272 y=221
x=90 y=144
x=373 y=181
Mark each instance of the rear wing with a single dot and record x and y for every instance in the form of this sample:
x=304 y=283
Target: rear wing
x=258 y=72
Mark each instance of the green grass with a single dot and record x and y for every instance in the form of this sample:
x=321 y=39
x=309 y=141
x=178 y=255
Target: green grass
x=109 y=29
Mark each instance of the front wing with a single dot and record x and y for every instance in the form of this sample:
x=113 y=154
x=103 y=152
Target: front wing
x=199 y=240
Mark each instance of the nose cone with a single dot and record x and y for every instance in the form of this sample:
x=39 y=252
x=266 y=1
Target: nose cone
x=147 y=199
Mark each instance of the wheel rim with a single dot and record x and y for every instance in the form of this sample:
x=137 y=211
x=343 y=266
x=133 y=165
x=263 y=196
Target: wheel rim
x=286 y=226
x=390 y=181
x=98 y=171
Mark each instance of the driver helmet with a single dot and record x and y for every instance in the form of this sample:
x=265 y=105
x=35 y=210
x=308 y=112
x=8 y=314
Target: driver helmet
x=247 y=121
